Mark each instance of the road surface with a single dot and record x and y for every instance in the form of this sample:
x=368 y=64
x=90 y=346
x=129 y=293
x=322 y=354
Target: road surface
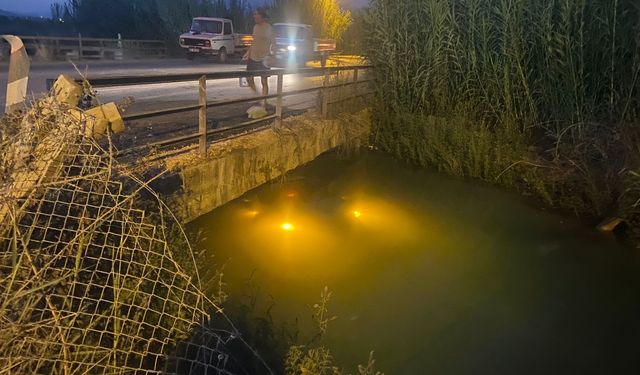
x=147 y=96
x=161 y=96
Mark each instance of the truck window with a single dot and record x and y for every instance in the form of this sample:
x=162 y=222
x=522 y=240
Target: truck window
x=227 y=28
x=204 y=26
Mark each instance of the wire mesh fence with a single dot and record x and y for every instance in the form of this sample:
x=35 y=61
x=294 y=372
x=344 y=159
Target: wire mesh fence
x=89 y=279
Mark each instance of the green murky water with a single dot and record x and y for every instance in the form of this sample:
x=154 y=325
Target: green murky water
x=437 y=275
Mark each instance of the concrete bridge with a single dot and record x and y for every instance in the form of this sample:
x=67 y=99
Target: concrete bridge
x=195 y=186
x=209 y=162
x=313 y=110
x=234 y=156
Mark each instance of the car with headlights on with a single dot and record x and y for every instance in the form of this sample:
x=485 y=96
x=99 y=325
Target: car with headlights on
x=296 y=45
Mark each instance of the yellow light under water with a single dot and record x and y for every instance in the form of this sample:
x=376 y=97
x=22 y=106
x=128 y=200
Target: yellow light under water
x=287 y=226
x=357 y=214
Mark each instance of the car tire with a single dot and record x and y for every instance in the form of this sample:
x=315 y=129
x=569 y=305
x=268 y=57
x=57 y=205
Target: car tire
x=323 y=60
x=223 y=56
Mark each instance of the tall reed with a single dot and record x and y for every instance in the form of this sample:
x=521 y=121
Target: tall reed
x=548 y=85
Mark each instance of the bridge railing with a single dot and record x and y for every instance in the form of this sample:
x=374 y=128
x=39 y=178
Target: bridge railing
x=92 y=48
x=202 y=136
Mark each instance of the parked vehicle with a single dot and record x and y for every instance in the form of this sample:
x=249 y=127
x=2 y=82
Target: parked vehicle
x=214 y=36
x=296 y=45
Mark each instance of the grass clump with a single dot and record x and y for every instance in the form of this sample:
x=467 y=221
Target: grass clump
x=538 y=95
x=315 y=358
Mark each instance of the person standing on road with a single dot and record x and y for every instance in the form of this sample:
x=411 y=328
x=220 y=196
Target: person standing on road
x=263 y=46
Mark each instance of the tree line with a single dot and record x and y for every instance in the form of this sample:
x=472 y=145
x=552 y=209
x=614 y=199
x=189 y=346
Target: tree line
x=165 y=19
x=146 y=19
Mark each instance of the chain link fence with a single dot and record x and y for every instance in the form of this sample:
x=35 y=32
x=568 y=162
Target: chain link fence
x=89 y=279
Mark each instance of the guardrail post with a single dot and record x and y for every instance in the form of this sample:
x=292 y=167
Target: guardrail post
x=202 y=115
x=355 y=83
x=279 y=101
x=324 y=109
x=79 y=47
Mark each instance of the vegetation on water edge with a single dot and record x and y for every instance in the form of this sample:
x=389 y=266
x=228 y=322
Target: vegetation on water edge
x=541 y=96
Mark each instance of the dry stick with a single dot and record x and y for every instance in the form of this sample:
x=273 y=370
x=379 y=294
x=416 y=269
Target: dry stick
x=54 y=311
x=562 y=133
x=628 y=101
x=56 y=316
x=30 y=190
x=18 y=293
x=520 y=162
x=99 y=220
x=205 y=298
x=54 y=258
x=613 y=58
x=49 y=303
x=145 y=186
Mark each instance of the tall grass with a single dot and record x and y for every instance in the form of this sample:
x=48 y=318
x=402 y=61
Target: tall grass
x=542 y=94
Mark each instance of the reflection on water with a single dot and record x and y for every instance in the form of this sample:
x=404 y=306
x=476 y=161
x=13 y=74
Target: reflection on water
x=434 y=274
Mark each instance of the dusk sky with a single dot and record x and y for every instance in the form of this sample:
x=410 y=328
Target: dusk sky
x=41 y=7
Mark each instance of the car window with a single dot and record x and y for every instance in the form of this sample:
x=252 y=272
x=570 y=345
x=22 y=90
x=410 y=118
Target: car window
x=213 y=27
x=227 y=28
x=202 y=26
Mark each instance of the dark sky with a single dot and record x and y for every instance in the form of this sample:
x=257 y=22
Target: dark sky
x=32 y=7
x=41 y=7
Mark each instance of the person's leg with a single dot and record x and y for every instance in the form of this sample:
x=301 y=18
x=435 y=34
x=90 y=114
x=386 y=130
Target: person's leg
x=252 y=84
x=265 y=88
x=250 y=81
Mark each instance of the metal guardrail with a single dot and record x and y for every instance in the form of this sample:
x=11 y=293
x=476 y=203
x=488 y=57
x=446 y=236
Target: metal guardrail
x=93 y=48
x=203 y=104
x=186 y=77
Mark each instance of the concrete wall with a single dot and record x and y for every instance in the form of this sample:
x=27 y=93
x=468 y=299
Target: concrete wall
x=196 y=186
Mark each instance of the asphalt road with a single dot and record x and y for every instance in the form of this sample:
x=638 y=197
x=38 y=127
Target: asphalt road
x=166 y=95
x=149 y=96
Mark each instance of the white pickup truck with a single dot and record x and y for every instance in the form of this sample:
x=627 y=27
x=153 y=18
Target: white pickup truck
x=295 y=45
x=214 y=36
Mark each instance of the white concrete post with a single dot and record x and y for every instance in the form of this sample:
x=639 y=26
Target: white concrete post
x=18 y=78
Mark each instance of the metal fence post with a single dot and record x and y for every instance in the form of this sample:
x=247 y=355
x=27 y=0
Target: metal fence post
x=79 y=47
x=355 y=81
x=324 y=111
x=202 y=115
x=279 y=101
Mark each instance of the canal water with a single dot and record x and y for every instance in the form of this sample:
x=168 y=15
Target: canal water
x=436 y=275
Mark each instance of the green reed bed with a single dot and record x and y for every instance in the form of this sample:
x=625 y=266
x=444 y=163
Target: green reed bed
x=537 y=95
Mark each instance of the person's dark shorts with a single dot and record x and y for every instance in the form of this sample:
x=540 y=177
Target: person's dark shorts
x=253 y=65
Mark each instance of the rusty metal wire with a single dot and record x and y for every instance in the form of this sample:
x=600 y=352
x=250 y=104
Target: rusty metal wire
x=89 y=281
